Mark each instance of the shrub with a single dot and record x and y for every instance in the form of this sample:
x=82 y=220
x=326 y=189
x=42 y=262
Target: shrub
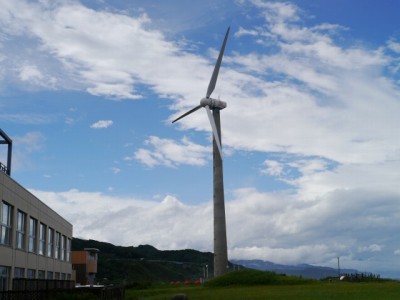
x=254 y=277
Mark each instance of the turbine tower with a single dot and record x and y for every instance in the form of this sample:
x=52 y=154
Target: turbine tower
x=214 y=105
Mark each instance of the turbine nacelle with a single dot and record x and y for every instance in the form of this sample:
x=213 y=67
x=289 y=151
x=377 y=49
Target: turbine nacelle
x=212 y=103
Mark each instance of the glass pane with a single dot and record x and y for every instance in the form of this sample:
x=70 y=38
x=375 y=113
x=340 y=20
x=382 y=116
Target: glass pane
x=2 y=235
x=7 y=236
x=4 y=213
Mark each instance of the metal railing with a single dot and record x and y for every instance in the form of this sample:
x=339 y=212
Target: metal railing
x=3 y=168
x=41 y=289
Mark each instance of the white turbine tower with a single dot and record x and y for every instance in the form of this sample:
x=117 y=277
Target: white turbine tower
x=214 y=105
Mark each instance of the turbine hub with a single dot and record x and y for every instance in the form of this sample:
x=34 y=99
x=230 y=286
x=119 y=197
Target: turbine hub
x=213 y=103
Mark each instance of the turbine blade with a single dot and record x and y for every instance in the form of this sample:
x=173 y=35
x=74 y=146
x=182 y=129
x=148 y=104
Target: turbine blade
x=213 y=81
x=187 y=113
x=214 y=129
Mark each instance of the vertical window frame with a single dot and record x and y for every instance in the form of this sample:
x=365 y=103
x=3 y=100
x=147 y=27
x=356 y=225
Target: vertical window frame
x=68 y=254
x=57 y=245
x=50 y=242
x=6 y=215
x=32 y=242
x=20 y=241
x=42 y=239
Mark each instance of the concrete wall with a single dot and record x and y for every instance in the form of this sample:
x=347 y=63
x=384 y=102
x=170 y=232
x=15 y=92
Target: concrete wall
x=20 y=199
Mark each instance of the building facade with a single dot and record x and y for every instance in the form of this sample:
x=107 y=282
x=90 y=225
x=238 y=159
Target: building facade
x=84 y=265
x=35 y=241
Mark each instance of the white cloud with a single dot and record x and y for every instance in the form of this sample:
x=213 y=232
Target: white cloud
x=126 y=221
x=323 y=106
x=102 y=124
x=243 y=32
x=169 y=153
x=370 y=248
x=279 y=227
x=28 y=73
x=327 y=97
x=106 y=53
x=394 y=46
x=272 y=167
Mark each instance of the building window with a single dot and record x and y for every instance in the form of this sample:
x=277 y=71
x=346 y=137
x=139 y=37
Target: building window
x=49 y=275
x=63 y=276
x=32 y=235
x=92 y=256
x=57 y=276
x=68 y=254
x=31 y=274
x=21 y=220
x=41 y=274
x=5 y=224
x=57 y=249
x=4 y=278
x=42 y=239
x=50 y=237
x=19 y=273
x=63 y=244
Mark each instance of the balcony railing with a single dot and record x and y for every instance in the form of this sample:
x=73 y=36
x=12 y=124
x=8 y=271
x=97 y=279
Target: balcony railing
x=3 y=168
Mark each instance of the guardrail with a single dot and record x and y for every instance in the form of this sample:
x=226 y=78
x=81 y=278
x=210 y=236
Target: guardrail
x=41 y=289
x=3 y=168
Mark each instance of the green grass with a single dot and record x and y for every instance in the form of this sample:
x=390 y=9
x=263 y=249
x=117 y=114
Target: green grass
x=250 y=277
x=321 y=291
x=251 y=285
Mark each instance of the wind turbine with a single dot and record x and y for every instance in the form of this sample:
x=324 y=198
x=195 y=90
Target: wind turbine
x=213 y=107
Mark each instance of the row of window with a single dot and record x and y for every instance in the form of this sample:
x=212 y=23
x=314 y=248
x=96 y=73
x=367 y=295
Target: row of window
x=40 y=274
x=42 y=239
x=30 y=274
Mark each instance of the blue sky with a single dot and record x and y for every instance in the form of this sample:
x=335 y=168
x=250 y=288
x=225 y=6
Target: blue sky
x=311 y=143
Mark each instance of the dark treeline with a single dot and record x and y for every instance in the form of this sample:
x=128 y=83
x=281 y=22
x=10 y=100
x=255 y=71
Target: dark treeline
x=361 y=277
x=144 y=264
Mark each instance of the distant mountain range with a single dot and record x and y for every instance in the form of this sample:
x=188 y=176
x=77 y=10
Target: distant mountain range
x=304 y=270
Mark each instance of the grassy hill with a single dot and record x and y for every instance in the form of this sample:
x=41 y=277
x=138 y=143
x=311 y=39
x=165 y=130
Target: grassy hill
x=144 y=264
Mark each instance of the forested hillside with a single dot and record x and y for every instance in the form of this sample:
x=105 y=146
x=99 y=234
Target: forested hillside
x=144 y=263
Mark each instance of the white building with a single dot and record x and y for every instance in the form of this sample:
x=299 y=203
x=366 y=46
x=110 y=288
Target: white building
x=35 y=241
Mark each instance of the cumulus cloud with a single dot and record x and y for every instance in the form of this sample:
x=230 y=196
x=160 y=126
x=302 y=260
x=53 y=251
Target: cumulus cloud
x=30 y=72
x=279 y=227
x=323 y=106
x=394 y=46
x=370 y=248
x=168 y=224
x=108 y=54
x=101 y=124
x=326 y=87
x=167 y=152
x=272 y=167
